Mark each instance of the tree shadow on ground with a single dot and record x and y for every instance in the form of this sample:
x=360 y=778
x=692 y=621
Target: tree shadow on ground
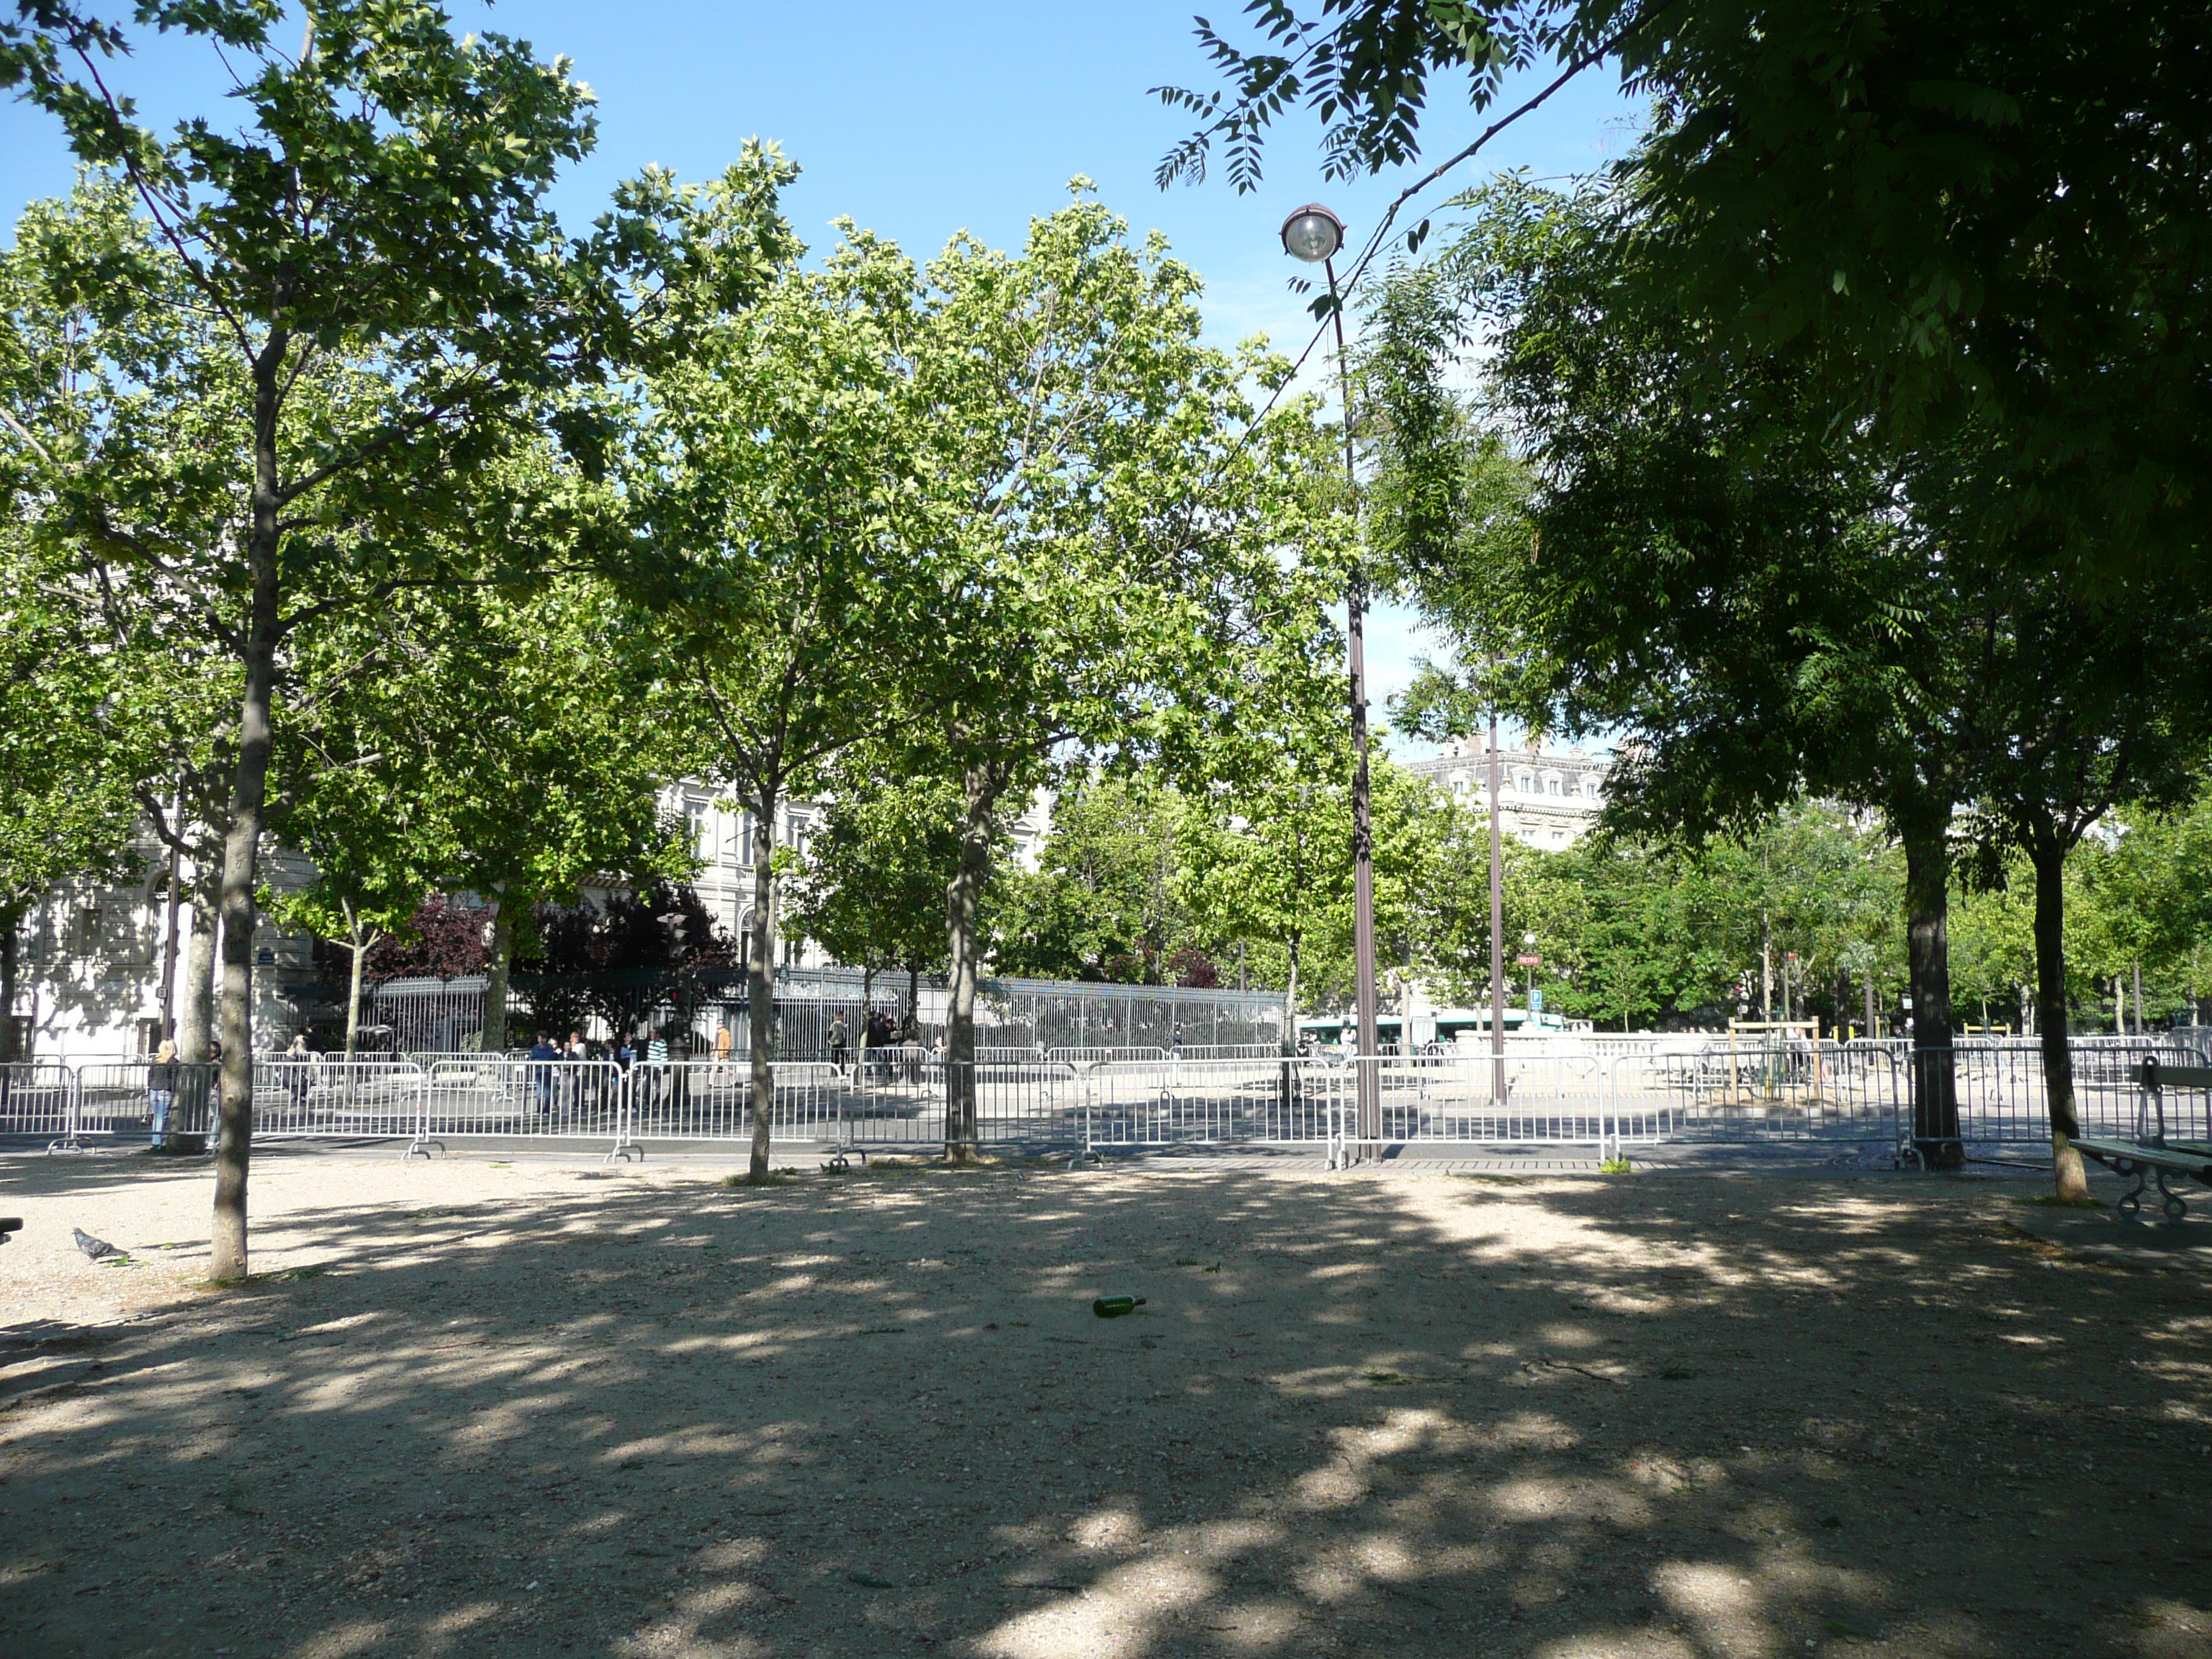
x=1689 y=1417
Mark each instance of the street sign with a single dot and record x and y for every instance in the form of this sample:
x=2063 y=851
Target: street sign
x=1536 y=1001
x=1528 y=961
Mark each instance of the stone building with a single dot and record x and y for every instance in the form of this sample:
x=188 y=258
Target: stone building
x=1547 y=797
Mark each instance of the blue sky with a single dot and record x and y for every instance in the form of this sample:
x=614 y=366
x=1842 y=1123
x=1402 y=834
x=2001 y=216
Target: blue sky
x=922 y=120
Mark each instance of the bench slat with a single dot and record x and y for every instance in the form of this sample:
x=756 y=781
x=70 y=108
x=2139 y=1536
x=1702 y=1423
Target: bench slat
x=2151 y=1157
x=2176 y=1077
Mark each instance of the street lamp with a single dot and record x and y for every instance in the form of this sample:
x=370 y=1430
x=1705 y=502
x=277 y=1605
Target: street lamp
x=1315 y=235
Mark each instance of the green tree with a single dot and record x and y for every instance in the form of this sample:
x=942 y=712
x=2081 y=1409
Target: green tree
x=1945 y=218
x=2082 y=709
x=67 y=801
x=1104 y=901
x=1107 y=499
x=1268 y=824
x=781 y=538
x=2146 y=899
x=377 y=206
x=1407 y=829
x=366 y=892
x=530 y=749
x=1767 y=606
x=1727 y=583
x=871 y=888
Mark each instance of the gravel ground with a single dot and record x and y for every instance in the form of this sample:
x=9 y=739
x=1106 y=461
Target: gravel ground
x=514 y=1407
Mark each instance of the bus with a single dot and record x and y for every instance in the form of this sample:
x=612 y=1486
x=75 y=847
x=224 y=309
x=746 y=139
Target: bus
x=1456 y=1028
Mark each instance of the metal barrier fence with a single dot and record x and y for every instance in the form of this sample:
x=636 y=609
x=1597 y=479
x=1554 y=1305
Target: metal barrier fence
x=38 y=1098
x=1855 y=1094
x=336 y=1099
x=116 y=1098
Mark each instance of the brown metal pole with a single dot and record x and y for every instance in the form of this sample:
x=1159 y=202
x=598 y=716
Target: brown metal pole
x=1363 y=832
x=1497 y=933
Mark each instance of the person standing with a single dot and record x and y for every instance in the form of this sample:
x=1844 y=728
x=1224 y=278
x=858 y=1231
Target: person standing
x=543 y=1054
x=910 y=1043
x=161 y=1091
x=656 y=1066
x=623 y=1053
x=211 y=1091
x=838 y=1043
x=721 y=1047
x=299 y=1073
x=575 y=1054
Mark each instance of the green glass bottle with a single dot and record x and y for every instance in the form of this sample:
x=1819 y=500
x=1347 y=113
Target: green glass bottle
x=1113 y=1307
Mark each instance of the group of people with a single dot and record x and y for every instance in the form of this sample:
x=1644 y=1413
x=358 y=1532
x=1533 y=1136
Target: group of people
x=577 y=1086
x=887 y=1047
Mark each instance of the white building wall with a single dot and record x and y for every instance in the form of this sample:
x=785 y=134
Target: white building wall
x=1547 y=797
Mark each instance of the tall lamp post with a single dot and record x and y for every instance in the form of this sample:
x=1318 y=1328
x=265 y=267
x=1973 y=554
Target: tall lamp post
x=1497 y=932
x=1314 y=235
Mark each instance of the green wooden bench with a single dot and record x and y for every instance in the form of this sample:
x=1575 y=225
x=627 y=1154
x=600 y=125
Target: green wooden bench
x=2150 y=1156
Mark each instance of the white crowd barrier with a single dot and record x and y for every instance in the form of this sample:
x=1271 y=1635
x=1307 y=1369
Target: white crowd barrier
x=1854 y=1094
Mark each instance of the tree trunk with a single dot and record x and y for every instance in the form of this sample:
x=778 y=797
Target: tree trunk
x=868 y=1011
x=2071 y=1178
x=1765 y=970
x=760 y=983
x=242 y=842
x=169 y=901
x=360 y=949
x=1924 y=829
x=493 y=1041
x=11 y=922
x=962 y=896
x=1290 y=998
x=196 y=1007
x=1871 y=1029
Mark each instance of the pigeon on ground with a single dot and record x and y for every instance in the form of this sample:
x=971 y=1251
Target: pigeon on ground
x=96 y=1249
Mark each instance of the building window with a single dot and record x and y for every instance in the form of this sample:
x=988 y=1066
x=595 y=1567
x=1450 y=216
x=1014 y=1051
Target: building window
x=695 y=818
x=1589 y=788
x=1551 y=786
x=1525 y=782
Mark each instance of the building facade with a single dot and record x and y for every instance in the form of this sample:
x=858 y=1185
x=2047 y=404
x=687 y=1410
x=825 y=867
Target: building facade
x=1547 y=797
